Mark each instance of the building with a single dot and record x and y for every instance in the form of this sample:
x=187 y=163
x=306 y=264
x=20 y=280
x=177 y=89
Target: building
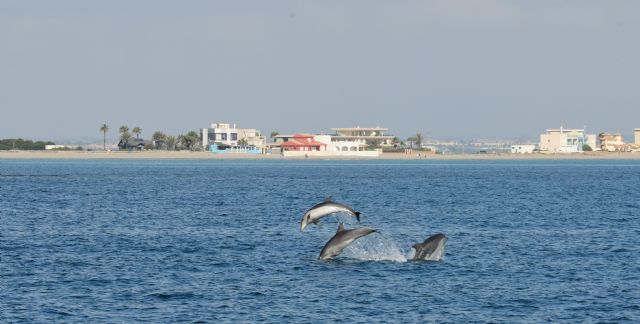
x=54 y=147
x=522 y=148
x=637 y=136
x=611 y=142
x=224 y=137
x=302 y=143
x=566 y=140
x=368 y=136
x=306 y=145
x=132 y=143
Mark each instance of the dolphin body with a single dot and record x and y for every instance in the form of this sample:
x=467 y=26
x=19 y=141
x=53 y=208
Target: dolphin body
x=325 y=208
x=432 y=249
x=342 y=239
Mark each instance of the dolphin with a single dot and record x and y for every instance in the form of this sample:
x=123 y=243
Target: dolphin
x=327 y=207
x=432 y=249
x=342 y=239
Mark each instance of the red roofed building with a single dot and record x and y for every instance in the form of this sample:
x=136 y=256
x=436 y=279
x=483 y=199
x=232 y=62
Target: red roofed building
x=303 y=142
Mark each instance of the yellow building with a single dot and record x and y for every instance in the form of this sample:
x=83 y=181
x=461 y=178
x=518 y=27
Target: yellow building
x=611 y=142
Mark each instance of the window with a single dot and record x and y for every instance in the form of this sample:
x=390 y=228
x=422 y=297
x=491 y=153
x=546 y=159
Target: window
x=223 y=136
x=234 y=136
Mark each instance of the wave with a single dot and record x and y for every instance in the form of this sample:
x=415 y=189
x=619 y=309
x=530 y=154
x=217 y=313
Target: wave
x=376 y=247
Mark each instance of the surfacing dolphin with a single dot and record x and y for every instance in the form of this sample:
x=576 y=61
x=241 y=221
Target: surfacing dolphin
x=342 y=239
x=432 y=249
x=325 y=208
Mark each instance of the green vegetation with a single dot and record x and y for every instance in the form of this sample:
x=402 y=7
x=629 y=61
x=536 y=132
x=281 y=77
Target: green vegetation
x=171 y=142
x=124 y=133
x=21 y=144
x=243 y=142
x=189 y=140
x=417 y=140
x=586 y=148
x=274 y=134
x=137 y=131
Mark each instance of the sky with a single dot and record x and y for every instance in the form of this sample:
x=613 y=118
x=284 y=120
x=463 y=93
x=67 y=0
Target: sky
x=448 y=69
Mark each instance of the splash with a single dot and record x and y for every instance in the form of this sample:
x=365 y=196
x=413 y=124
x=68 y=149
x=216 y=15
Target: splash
x=375 y=247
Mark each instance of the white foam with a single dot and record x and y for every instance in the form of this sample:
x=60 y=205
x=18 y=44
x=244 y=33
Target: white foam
x=375 y=247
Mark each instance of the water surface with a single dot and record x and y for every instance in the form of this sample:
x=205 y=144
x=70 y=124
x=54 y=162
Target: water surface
x=163 y=241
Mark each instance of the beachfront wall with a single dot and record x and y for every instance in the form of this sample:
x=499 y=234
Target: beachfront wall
x=522 y=148
x=215 y=148
x=375 y=153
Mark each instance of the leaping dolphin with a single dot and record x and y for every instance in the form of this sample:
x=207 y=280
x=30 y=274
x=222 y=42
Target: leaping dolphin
x=325 y=208
x=342 y=239
x=432 y=249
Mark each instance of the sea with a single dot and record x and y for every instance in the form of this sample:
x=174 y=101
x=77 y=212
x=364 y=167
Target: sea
x=212 y=241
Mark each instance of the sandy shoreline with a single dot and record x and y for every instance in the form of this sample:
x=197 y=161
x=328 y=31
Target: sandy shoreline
x=186 y=155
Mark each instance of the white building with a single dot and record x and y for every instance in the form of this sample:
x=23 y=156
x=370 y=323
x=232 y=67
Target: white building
x=522 y=148
x=637 y=136
x=229 y=135
x=566 y=140
x=368 y=136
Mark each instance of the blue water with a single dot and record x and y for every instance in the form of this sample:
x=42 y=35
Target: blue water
x=160 y=241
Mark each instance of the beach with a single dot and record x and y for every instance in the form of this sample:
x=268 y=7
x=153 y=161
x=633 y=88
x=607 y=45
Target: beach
x=189 y=155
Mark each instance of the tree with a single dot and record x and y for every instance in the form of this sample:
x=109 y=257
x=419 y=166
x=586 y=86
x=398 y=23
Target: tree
x=419 y=139
x=104 y=129
x=274 y=134
x=586 y=148
x=159 y=137
x=171 y=143
x=124 y=133
x=137 y=131
x=243 y=142
x=189 y=140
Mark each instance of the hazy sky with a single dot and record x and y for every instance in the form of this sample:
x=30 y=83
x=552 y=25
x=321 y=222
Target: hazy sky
x=448 y=69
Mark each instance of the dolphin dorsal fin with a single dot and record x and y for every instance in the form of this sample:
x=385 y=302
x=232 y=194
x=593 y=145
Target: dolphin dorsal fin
x=328 y=198
x=340 y=228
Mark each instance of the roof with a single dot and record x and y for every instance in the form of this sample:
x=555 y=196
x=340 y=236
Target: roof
x=301 y=135
x=302 y=141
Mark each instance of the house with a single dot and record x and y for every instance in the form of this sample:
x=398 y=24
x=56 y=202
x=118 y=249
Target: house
x=611 y=142
x=566 y=140
x=302 y=142
x=225 y=137
x=132 y=143
x=369 y=136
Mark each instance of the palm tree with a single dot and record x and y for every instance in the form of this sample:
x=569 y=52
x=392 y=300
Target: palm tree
x=171 y=142
x=159 y=136
x=137 y=131
x=124 y=135
x=104 y=129
x=274 y=134
x=419 y=140
x=124 y=129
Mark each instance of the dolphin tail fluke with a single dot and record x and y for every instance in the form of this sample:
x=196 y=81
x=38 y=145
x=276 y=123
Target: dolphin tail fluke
x=357 y=216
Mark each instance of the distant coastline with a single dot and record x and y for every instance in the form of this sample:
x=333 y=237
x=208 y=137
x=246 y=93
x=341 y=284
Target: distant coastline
x=187 y=155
